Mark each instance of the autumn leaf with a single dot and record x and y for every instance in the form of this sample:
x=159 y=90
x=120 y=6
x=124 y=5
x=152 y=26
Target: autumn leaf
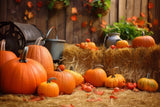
x=74 y=18
x=93 y=29
x=134 y=18
x=104 y=23
x=98 y=92
x=74 y=10
x=30 y=15
x=84 y=24
x=142 y=14
x=29 y=4
x=91 y=22
x=155 y=22
x=151 y=5
x=39 y=4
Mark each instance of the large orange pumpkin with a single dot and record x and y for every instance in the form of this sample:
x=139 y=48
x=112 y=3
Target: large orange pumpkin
x=65 y=81
x=95 y=76
x=143 y=41
x=42 y=55
x=21 y=75
x=5 y=55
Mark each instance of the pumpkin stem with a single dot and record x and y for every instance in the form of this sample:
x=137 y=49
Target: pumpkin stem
x=113 y=71
x=3 y=43
x=71 y=68
x=24 y=54
x=148 y=75
x=38 y=41
x=49 y=80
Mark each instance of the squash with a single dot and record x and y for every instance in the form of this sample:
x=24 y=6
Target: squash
x=115 y=80
x=42 y=55
x=78 y=77
x=96 y=77
x=122 y=44
x=22 y=75
x=88 y=45
x=5 y=55
x=147 y=84
x=143 y=41
x=48 y=89
x=65 y=81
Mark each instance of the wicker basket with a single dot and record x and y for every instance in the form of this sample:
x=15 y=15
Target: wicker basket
x=58 y=5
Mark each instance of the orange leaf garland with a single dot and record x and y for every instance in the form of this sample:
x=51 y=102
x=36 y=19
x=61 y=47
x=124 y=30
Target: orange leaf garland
x=151 y=5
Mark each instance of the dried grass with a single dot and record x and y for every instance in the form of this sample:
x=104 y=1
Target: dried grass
x=79 y=98
x=133 y=63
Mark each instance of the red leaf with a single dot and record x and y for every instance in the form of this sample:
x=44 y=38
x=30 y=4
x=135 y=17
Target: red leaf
x=151 y=5
x=40 y=4
x=155 y=22
x=67 y=105
x=84 y=24
x=114 y=97
x=74 y=18
x=99 y=92
x=93 y=29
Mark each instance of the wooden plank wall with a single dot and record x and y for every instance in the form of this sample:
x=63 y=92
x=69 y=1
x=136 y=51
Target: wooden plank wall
x=71 y=31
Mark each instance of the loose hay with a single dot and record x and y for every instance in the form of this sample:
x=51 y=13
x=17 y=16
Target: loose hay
x=79 y=98
x=133 y=63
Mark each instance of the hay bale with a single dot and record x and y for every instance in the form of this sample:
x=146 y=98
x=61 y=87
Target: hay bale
x=133 y=63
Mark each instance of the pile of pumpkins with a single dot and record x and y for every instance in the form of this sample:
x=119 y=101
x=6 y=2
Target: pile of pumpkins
x=34 y=72
x=140 y=41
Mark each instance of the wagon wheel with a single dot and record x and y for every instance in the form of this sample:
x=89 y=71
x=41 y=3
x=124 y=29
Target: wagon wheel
x=15 y=40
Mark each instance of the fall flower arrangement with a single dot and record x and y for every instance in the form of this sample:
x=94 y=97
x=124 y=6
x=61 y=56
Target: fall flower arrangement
x=57 y=4
x=130 y=28
x=97 y=7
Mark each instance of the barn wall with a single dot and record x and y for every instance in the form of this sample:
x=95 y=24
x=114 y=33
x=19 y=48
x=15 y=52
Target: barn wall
x=71 y=31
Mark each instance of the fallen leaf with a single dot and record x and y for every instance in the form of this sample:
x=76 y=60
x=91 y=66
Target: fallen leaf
x=98 y=92
x=114 y=97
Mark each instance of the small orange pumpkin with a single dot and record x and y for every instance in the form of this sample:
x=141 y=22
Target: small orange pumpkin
x=147 y=84
x=122 y=44
x=48 y=89
x=42 y=55
x=115 y=80
x=21 y=75
x=65 y=81
x=143 y=41
x=95 y=76
x=5 y=55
